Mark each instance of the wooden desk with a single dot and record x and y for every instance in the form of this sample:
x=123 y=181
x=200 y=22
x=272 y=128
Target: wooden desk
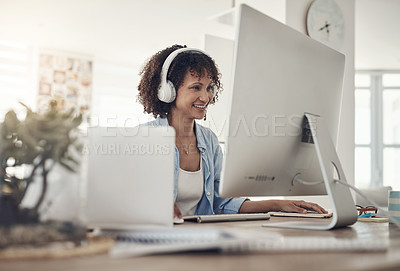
x=389 y=260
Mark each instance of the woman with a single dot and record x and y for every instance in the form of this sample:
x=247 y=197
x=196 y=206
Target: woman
x=177 y=86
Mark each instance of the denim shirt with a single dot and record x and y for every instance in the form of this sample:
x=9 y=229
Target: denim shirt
x=211 y=155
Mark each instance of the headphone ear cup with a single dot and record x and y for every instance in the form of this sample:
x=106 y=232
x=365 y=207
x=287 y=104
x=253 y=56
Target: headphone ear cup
x=167 y=92
x=172 y=91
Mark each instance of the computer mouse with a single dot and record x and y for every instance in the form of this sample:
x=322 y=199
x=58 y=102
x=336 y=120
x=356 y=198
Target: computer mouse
x=178 y=220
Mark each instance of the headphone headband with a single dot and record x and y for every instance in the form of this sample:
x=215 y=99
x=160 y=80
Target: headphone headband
x=166 y=91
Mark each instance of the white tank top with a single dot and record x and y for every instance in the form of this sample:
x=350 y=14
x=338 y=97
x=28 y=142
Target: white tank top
x=190 y=190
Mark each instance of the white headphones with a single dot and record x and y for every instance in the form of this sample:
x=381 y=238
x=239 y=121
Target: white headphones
x=167 y=91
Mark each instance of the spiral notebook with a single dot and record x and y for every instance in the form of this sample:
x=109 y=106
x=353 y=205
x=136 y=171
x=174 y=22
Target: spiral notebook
x=173 y=240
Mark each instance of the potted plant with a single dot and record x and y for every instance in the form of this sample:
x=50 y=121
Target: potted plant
x=34 y=146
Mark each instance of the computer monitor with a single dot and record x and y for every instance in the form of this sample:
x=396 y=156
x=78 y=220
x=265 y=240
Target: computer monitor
x=280 y=78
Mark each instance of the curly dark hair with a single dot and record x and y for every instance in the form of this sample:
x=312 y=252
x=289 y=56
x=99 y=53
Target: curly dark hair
x=195 y=63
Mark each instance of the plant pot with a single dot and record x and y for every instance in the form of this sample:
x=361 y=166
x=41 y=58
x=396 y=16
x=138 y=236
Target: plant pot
x=8 y=211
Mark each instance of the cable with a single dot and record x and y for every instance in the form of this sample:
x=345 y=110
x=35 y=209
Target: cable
x=394 y=220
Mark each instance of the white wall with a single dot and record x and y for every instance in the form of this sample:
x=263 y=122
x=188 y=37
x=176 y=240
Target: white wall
x=377 y=41
x=273 y=8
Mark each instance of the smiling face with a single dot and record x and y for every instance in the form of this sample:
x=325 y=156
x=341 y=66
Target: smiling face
x=193 y=97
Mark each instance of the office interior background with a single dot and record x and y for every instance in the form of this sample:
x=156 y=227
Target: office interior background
x=116 y=37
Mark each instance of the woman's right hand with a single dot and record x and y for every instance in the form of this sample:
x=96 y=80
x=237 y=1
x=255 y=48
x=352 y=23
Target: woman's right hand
x=177 y=212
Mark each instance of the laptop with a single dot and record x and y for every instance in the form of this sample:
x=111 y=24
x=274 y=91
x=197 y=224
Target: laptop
x=130 y=177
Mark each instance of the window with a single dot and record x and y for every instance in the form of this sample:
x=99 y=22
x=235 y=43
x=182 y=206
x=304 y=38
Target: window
x=377 y=129
x=15 y=76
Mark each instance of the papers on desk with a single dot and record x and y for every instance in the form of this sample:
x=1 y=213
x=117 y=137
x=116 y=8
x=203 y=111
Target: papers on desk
x=162 y=241
x=156 y=241
x=377 y=219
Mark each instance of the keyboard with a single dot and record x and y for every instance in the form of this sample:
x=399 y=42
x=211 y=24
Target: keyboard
x=309 y=214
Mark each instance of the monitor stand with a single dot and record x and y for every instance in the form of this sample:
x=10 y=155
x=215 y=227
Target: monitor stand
x=343 y=207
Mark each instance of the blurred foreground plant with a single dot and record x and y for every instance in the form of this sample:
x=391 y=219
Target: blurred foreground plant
x=35 y=145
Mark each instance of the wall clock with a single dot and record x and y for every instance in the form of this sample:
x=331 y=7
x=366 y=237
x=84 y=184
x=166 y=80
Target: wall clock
x=325 y=23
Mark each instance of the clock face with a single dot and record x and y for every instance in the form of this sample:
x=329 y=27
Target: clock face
x=325 y=23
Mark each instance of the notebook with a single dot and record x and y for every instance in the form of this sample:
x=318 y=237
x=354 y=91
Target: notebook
x=147 y=242
x=130 y=177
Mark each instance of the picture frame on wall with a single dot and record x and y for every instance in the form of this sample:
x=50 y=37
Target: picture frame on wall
x=66 y=78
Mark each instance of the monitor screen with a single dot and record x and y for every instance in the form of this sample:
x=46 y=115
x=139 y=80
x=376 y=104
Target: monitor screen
x=279 y=75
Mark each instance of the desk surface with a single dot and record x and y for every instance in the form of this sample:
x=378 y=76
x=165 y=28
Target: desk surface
x=389 y=260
